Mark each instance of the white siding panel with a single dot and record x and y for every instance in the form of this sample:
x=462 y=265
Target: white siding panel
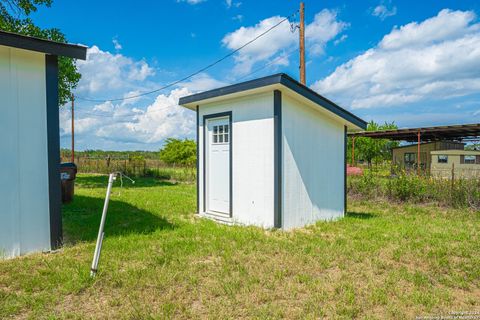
x=24 y=217
x=313 y=165
x=252 y=159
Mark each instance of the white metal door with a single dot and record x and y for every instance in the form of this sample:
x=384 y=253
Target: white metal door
x=218 y=165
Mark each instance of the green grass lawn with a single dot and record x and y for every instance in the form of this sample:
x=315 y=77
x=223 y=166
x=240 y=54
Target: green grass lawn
x=160 y=261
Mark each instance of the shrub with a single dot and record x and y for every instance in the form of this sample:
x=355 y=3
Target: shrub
x=179 y=152
x=462 y=193
x=367 y=185
x=465 y=193
x=407 y=187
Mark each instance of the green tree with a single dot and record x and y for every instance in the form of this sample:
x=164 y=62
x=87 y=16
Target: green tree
x=179 y=152
x=373 y=150
x=14 y=17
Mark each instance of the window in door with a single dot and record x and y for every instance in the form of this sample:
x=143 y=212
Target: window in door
x=221 y=134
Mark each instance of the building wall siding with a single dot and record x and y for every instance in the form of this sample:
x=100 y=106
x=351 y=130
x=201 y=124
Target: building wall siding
x=313 y=165
x=24 y=217
x=460 y=170
x=252 y=143
x=425 y=149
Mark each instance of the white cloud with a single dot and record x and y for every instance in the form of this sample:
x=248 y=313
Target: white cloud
x=202 y=82
x=162 y=119
x=134 y=123
x=447 y=25
x=276 y=40
x=116 y=44
x=238 y=18
x=340 y=40
x=231 y=3
x=192 y=2
x=383 y=12
x=104 y=71
x=122 y=124
x=434 y=59
x=324 y=28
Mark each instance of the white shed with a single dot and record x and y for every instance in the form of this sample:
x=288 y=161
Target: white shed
x=271 y=153
x=30 y=194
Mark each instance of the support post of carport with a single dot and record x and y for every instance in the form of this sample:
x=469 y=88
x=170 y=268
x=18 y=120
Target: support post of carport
x=418 y=153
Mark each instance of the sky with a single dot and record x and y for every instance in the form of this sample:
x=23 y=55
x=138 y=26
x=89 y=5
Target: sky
x=415 y=63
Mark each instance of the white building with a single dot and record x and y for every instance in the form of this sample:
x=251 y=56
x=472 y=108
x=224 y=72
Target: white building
x=271 y=153
x=30 y=194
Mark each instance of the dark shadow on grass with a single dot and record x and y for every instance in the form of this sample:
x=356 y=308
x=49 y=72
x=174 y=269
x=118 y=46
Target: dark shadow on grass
x=81 y=219
x=101 y=181
x=359 y=215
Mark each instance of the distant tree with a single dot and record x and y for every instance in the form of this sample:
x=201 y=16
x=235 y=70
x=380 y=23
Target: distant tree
x=180 y=152
x=473 y=147
x=373 y=150
x=14 y=18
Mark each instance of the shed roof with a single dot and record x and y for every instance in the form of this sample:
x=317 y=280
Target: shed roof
x=454 y=132
x=276 y=79
x=16 y=40
x=429 y=143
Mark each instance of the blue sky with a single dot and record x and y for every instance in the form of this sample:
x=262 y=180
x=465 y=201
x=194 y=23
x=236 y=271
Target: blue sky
x=412 y=62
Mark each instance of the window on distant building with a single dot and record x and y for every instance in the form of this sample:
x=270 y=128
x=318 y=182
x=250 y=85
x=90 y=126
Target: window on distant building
x=410 y=158
x=469 y=160
x=442 y=158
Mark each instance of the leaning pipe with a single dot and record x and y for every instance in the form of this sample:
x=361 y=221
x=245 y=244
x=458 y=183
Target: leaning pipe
x=98 y=247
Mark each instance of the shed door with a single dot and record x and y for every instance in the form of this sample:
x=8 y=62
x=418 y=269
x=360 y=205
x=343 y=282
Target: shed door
x=218 y=165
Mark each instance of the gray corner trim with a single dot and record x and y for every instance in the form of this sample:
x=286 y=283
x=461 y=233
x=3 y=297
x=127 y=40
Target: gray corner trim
x=287 y=81
x=277 y=159
x=198 y=160
x=345 y=147
x=205 y=118
x=42 y=45
x=53 y=146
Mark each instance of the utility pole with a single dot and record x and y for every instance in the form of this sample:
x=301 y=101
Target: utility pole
x=302 y=44
x=73 y=129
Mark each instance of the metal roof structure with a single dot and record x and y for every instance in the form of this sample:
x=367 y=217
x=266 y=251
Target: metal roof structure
x=42 y=45
x=454 y=132
x=282 y=79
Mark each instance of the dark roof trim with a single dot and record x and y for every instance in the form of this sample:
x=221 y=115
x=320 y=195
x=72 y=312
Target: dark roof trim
x=288 y=82
x=41 y=45
x=415 y=144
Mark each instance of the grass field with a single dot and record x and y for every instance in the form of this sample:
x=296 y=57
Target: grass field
x=159 y=261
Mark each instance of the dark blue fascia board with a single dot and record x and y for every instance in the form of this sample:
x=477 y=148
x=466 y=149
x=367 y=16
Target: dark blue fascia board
x=287 y=81
x=15 y=40
x=239 y=87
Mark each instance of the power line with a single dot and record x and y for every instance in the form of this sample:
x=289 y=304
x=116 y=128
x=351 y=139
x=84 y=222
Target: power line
x=266 y=65
x=196 y=72
x=130 y=117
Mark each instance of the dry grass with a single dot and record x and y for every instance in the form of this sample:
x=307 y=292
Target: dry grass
x=381 y=261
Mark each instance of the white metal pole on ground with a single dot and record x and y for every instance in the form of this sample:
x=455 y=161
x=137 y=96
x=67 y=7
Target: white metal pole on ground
x=98 y=247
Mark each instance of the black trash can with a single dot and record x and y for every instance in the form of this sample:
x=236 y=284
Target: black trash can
x=68 y=173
